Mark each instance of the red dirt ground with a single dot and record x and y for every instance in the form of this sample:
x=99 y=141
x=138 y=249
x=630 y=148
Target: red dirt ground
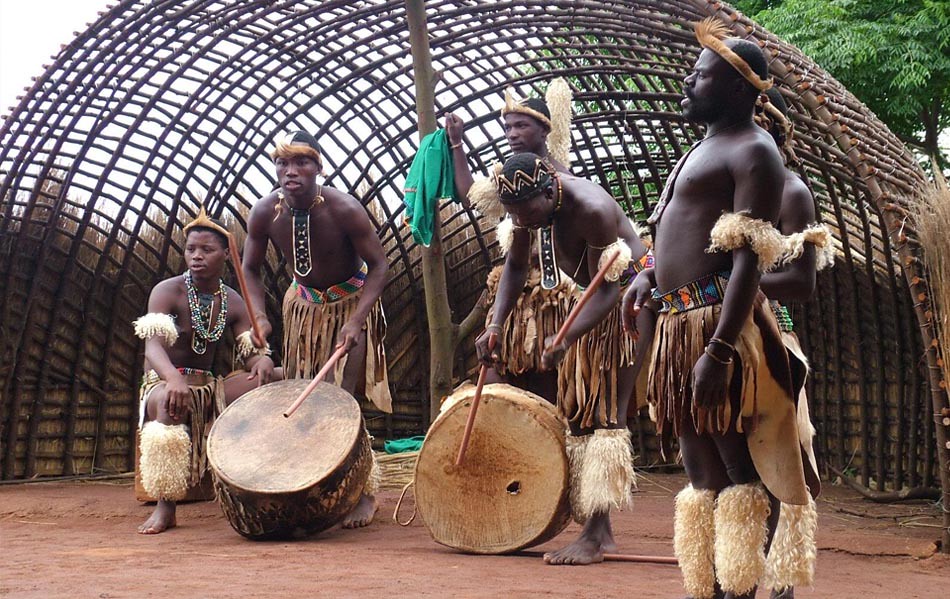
x=79 y=540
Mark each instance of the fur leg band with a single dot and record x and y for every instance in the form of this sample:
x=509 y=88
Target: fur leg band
x=693 y=538
x=576 y=450
x=371 y=487
x=156 y=323
x=165 y=461
x=741 y=531
x=606 y=477
x=791 y=560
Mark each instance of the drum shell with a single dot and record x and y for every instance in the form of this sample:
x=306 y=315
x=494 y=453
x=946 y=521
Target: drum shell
x=450 y=499
x=273 y=514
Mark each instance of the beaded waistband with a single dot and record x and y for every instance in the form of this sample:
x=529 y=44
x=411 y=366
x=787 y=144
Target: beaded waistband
x=783 y=316
x=151 y=376
x=707 y=290
x=335 y=292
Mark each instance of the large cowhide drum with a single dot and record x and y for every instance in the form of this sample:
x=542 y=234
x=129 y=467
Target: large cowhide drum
x=512 y=488
x=278 y=477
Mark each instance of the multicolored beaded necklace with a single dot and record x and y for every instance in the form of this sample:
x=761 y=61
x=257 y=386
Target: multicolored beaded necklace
x=550 y=273
x=201 y=306
x=301 y=232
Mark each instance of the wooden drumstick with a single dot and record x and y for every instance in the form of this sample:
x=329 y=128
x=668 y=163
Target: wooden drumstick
x=316 y=380
x=585 y=297
x=482 y=373
x=242 y=284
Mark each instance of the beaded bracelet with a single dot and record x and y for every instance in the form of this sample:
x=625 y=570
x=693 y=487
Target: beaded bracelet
x=456 y=146
x=494 y=327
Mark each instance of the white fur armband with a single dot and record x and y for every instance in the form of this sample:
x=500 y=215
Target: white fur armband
x=620 y=264
x=483 y=195
x=245 y=347
x=734 y=230
x=819 y=236
x=156 y=323
x=505 y=233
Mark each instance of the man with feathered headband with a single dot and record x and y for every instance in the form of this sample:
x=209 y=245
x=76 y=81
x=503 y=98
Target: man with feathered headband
x=339 y=272
x=540 y=127
x=577 y=226
x=180 y=397
x=720 y=379
x=792 y=554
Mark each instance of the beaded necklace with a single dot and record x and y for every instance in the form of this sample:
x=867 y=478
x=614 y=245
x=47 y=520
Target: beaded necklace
x=301 y=232
x=550 y=273
x=201 y=306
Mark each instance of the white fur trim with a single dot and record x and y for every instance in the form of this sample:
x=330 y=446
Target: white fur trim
x=734 y=230
x=244 y=345
x=156 y=323
x=165 y=461
x=575 y=447
x=606 y=477
x=558 y=98
x=741 y=531
x=371 y=487
x=620 y=264
x=791 y=560
x=819 y=236
x=505 y=233
x=693 y=538
x=483 y=195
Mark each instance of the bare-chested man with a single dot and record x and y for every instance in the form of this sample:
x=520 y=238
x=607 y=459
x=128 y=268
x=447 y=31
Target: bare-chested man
x=538 y=312
x=720 y=379
x=339 y=274
x=180 y=397
x=578 y=225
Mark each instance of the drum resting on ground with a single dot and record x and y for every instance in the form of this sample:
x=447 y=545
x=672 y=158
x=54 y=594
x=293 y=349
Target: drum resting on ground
x=278 y=477
x=512 y=489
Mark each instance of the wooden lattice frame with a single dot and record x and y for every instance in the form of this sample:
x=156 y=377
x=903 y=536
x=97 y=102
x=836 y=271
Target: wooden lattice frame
x=159 y=105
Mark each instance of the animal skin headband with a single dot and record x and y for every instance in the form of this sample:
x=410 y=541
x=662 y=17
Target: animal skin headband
x=710 y=33
x=202 y=220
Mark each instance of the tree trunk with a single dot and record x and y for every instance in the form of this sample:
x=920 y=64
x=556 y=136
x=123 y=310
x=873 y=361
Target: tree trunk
x=438 y=313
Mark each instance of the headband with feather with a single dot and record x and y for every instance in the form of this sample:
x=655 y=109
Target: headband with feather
x=710 y=33
x=204 y=221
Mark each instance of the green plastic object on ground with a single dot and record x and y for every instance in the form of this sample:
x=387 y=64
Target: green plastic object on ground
x=402 y=445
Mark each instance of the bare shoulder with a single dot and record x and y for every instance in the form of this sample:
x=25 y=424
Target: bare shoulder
x=754 y=146
x=347 y=209
x=165 y=293
x=264 y=207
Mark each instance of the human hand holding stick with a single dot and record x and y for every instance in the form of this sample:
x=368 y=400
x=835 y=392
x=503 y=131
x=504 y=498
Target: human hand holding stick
x=585 y=297
x=242 y=284
x=339 y=353
x=482 y=373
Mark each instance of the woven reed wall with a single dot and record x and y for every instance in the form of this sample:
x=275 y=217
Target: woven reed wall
x=160 y=105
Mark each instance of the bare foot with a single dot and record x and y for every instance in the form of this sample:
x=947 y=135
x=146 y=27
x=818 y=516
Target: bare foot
x=362 y=514
x=788 y=593
x=596 y=539
x=161 y=519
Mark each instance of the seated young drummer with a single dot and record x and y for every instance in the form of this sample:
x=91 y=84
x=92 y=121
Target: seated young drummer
x=180 y=396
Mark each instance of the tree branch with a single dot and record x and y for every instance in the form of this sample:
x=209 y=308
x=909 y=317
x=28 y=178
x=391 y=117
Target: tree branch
x=473 y=320
x=906 y=494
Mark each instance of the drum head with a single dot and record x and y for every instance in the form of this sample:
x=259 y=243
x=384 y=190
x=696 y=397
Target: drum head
x=511 y=490
x=253 y=447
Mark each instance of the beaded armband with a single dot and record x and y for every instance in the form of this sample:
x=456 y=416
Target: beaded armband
x=245 y=348
x=735 y=230
x=156 y=323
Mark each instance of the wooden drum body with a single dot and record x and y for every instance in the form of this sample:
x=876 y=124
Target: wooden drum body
x=279 y=477
x=512 y=490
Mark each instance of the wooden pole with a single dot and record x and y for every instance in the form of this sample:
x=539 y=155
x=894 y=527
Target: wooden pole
x=438 y=313
x=585 y=297
x=242 y=284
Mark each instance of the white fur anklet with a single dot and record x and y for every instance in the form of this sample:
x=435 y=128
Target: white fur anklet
x=693 y=538
x=791 y=560
x=576 y=449
x=741 y=531
x=165 y=461
x=371 y=487
x=607 y=473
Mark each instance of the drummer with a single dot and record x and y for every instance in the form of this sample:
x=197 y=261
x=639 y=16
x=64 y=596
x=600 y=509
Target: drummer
x=339 y=271
x=579 y=225
x=180 y=397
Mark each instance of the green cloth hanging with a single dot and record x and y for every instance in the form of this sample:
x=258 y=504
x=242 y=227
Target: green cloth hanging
x=431 y=178
x=401 y=445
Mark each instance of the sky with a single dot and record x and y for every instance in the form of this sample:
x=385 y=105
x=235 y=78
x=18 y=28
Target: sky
x=31 y=31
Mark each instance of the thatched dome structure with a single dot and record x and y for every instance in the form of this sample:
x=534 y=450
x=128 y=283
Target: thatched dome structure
x=162 y=104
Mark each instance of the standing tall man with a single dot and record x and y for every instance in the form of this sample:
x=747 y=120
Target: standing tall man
x=720 y=378
x=339 y=274
x=578 y=226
